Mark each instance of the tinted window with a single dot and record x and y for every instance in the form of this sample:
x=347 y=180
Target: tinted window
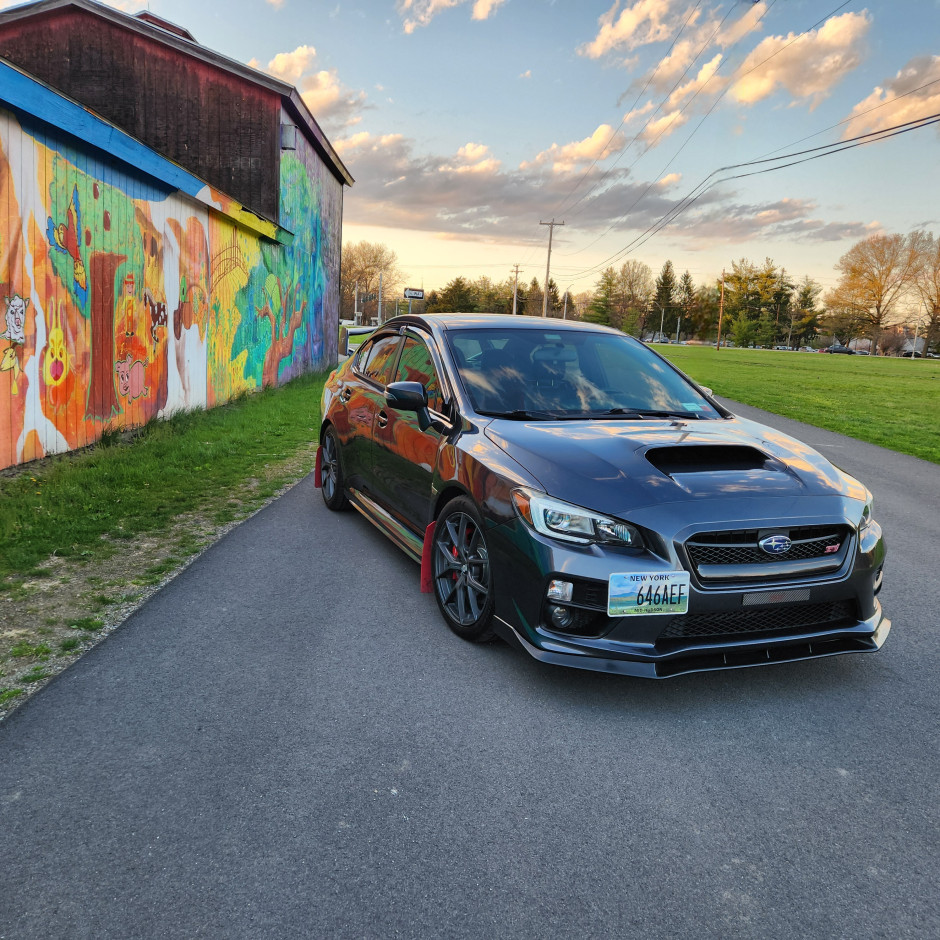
x=416 y=365
x=377 y=359
x=568 y=371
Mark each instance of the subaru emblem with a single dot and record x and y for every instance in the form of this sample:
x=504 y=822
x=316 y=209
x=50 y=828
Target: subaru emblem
x=775 y=544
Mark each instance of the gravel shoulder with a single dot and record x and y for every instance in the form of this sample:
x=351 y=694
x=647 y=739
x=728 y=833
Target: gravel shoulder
x=47 y=623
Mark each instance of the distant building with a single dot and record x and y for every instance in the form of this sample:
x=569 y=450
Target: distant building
x=170 y=227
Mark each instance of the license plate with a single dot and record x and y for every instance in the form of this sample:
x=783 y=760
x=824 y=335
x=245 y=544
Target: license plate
x=629 y=595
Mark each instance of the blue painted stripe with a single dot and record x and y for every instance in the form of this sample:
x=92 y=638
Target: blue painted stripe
x=28 y=95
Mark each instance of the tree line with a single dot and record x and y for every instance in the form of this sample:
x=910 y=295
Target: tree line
x=888 y=291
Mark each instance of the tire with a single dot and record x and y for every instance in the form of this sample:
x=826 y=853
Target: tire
x=331 y=473
x=463 y=580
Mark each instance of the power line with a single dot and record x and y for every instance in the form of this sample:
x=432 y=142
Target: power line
x=708 y=183
x=735 y=77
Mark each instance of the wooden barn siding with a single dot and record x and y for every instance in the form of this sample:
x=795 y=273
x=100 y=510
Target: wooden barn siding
x=139 y=302
x=218 y=126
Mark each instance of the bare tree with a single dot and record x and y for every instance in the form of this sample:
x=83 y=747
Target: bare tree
x=633 y=291
x=875 y=275
x=361 y=265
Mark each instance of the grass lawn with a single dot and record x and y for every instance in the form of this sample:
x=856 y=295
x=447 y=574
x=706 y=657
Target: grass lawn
x=894 y=403
x=87 y=504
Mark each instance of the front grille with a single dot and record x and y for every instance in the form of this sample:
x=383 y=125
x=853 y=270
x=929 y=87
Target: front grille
x=762 y=620
x=739 y=553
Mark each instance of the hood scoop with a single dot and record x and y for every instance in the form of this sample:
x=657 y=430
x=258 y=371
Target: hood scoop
x=708 y=458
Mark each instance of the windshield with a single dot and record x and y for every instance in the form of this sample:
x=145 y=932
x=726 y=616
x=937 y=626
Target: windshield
x=526 y=373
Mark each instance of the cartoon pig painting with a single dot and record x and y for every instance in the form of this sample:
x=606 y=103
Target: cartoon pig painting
x=131 y=378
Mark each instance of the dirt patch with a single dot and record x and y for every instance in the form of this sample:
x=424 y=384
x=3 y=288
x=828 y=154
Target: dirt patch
x=48 y=622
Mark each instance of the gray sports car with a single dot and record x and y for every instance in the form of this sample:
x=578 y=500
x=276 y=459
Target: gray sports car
x=566 y=488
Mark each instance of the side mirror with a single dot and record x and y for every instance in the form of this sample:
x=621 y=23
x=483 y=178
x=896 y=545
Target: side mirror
x=412 y=396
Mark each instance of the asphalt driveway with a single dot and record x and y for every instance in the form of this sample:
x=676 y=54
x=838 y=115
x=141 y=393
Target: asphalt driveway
x=287 y=742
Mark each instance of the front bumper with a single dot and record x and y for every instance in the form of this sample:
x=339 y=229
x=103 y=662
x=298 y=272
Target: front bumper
x=727 y=626
x=867 y=636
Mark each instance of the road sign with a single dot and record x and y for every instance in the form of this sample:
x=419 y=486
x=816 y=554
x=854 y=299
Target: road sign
x=412 y=293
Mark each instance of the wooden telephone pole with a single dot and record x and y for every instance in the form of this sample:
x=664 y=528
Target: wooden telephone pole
x=548 y=264
x=721 y=308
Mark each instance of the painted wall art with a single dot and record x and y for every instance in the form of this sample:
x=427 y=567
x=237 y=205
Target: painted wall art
x=124 y=300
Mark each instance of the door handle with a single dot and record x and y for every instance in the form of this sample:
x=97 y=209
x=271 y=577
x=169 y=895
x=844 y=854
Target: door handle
x=382 y=419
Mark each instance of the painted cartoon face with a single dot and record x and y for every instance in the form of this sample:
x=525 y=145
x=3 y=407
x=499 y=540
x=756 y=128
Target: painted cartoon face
x=16 y=319
x=123 y=370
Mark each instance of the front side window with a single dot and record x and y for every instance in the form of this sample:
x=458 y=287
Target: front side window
x=376 y=360
x=416 y=365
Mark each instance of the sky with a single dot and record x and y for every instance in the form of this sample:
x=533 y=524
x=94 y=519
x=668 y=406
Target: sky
x=468 y=123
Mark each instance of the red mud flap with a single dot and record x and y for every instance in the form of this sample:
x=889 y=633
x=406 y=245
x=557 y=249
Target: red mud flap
x=426 y=579
x=318 y=468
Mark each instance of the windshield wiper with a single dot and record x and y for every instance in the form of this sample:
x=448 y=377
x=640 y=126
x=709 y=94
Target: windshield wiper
x=521 y=414
x=652 y=413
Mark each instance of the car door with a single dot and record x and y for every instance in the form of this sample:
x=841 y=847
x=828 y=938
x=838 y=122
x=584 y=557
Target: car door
x=405 y=456
x=363 y=396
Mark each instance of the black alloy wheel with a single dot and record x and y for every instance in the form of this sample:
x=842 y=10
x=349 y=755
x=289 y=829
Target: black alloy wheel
x=463 y=582
x=331 y=473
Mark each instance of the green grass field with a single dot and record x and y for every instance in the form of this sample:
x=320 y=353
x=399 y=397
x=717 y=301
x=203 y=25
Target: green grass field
x=85 y=505
x=894 y=403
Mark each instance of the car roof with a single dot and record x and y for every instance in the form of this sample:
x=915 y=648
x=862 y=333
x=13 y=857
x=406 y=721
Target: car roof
x=494 y=321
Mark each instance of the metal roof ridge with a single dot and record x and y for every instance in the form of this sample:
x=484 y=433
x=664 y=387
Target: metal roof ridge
x=288 y=92
x=24 y=93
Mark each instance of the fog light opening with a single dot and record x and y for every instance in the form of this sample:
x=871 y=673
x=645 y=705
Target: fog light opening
x=563 y=618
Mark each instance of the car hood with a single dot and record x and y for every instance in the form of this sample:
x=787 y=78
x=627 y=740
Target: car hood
x=619 y=466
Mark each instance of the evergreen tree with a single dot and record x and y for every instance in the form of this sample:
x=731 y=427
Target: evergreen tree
x=456 y=297
x=601 y=306
x=664 y=298
x=533 y=299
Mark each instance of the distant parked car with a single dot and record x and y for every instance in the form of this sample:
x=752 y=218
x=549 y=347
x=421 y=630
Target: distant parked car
x=837 y=348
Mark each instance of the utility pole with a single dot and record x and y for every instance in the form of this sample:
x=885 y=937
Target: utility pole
x=721 y=307
x=515 y=289
x=548 y=264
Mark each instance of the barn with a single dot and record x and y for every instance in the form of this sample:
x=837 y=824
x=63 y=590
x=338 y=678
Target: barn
x=170 y=227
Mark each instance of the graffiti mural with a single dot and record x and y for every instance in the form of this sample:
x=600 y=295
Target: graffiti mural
x=123 y=302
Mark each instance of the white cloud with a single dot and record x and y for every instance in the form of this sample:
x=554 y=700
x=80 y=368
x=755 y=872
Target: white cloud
x=470 y=196
x=332 y=104
x=290 y=66
x=806 y=65
x=277 y=4
x=643 y=22
x=601 y=144
x=692 y=87
x=786 y=219
x=415 y=13
x=526 y=74
x=742 y=27
x=898 y=102
x=471 y=158
x=483 y=8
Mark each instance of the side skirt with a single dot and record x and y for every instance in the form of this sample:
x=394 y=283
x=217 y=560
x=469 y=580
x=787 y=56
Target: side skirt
x=406 y=540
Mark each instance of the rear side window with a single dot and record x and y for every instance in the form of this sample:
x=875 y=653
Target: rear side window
x=376 y=360
x=416 y=365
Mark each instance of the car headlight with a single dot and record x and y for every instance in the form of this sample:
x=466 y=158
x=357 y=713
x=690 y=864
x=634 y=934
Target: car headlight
x=570 y=523
x=867 y=517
